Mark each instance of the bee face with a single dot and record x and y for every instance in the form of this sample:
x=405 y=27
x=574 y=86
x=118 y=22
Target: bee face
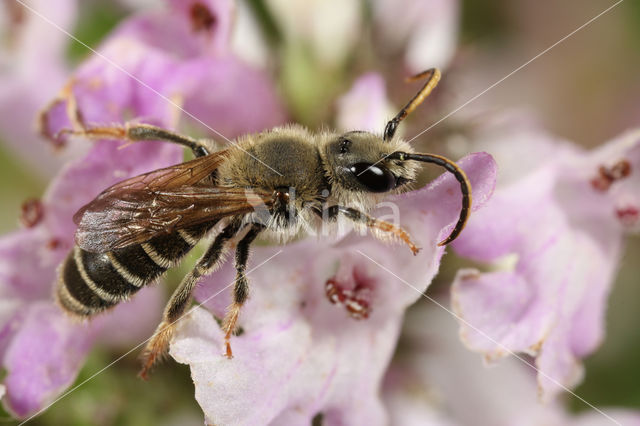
x=357 y=161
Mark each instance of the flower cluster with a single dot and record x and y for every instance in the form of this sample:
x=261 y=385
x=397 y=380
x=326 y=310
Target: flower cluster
x=153 y=62
x=319 y=331
x=436 y=382
x=554 y=229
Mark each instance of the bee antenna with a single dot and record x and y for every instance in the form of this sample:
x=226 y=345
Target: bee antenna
x=433 y=76
x=461 y=177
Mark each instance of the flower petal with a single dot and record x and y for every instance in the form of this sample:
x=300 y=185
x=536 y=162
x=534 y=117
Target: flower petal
x=184 y=29
x=364 y=106
x=131 y=322
x=230 y=96
x=47 y=349
x=24 y=263
x=556 y=245
x=435 y=379
x=43 y=359
x=32 y=55
x=263 y=384
x=209 y=21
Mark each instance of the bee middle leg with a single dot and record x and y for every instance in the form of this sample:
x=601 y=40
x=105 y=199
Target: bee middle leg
x=357 y=216
x=181 y=298
x=134 y=132
x=241 y=288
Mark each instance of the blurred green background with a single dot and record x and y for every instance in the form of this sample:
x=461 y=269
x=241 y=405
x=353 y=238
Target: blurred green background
x=565 y=87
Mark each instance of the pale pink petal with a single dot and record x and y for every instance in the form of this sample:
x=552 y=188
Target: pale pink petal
x=132 y=322
x=556 y=245
x=24 y=263
x=127 y=78
x=12 y=311
x=210 y=21
x=434 y=379
x=284 y=371
x=229 y=96
x=184 y=28
x=364 y=106
x=434 y=40
x=143 y=78
x=248 y=42
x=32 y=54
x=43 y=359
x=47 y=349
x=500 y=309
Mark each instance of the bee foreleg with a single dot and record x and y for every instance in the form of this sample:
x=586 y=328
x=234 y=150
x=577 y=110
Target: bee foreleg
x=134 y=132
x=157 y=346
x=241 y=288
x=371 y=222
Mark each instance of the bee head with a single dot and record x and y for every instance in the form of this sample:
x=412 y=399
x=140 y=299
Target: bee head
x=365 y=162
x=358 y=161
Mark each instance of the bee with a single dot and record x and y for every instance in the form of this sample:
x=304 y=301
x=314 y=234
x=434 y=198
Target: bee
x=275 y=183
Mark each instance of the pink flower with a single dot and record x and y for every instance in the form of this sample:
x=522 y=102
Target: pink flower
x=365 y=106
x=555 y=227
x=31 y=54
x=434 y=381
x=40 y=348
x=28 y=261
x=324 y=316
x=169 y=58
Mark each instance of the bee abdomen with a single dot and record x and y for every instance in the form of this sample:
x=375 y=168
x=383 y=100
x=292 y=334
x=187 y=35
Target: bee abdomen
x=93 y=282
x=73 y=293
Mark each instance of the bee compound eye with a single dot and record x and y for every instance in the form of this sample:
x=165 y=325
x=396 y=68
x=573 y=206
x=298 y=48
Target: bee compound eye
x=374 y=178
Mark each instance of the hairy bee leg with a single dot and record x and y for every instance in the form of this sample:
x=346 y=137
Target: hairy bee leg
x=72 y=111
x=157 y=346
x=241 y=288
x=371 y=222
x=134 y=132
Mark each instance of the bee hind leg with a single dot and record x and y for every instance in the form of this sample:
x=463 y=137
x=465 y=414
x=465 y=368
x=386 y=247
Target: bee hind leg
x=241 y=288
x=181 y=298
x=130 y=131
x=135 y=132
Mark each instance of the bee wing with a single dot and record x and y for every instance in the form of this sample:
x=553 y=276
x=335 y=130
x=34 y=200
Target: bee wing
x=183 y=174
x=160 y=202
